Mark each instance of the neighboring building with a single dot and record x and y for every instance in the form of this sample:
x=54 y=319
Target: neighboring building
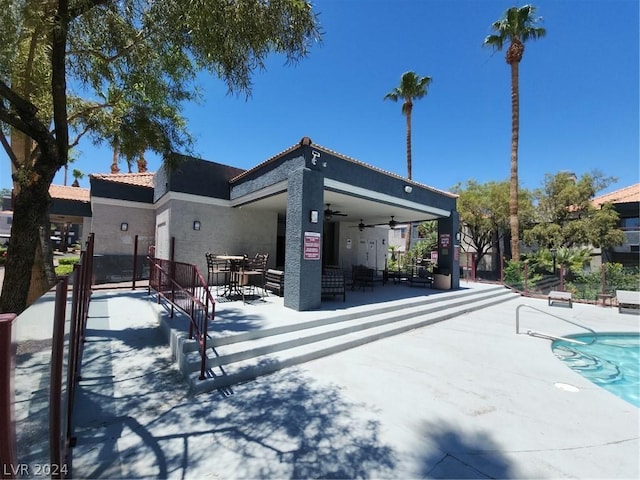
x=67 y=213
x=69 y=208
x=6 y=217
x=626 y=201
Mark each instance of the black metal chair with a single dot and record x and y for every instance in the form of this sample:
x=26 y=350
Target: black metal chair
x=215 y=268
x=254 y=273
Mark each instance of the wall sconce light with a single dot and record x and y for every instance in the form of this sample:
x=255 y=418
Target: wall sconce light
x=313 y=217
x=458 y=236
x=196 y=224
x=124 y=226
x=408 y=188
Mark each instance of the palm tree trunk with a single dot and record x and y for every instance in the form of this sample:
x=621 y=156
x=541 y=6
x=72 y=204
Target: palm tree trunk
x=409 y=143
x=513 y=181
x=407 y=245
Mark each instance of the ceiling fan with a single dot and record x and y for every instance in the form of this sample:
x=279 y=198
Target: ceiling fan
x=361 y=226
x=392 y=223
x=328 y=213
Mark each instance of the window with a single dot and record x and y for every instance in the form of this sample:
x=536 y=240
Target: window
x=630 y=223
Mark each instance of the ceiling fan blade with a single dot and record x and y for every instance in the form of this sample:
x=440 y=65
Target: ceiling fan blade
x=330 y=213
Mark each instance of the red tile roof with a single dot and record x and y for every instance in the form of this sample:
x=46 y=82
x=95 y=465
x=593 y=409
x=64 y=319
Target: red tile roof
x=65 y=192
x=139 y=179
x=624 y=195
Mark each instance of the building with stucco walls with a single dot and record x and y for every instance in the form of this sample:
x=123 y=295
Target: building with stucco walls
x=284 y=206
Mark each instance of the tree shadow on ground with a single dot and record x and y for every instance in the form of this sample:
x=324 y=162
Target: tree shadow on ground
x=454 y=454
x=279 y=426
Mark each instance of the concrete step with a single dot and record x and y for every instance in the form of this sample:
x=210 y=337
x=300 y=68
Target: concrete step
x=432 y=302
x=271 y=340
x=241 y=357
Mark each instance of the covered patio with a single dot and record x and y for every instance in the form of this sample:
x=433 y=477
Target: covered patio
x=347 y=206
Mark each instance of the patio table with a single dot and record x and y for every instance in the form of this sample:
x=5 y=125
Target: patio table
x=235 y=265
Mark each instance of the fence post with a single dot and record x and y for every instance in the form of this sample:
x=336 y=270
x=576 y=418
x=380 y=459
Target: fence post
x=501 y=270
x=526 y=277
x=7 y=425
x=172 y=270
x=192 y=307
x=473 y=267
x=603 y=279
x=561 y=278
x=57 y=441
x=135 y=262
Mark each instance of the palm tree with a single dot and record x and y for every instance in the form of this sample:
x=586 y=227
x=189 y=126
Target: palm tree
x=412 y=87
x=77 y=175
x=516 y=27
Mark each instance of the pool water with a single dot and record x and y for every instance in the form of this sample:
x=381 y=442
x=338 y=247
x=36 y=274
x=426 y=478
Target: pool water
x=612 y=361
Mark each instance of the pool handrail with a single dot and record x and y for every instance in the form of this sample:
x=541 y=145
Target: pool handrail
x=534 y=333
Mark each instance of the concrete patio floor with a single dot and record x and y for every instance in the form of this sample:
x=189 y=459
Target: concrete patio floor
x=464 y=398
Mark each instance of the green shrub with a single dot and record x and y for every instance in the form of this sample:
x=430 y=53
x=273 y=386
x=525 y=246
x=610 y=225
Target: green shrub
x=68 y=261
x=63 y=270
x=621 y=278
x=514 y=274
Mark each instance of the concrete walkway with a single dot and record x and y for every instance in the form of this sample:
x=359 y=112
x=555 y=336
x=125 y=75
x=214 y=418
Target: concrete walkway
x=464 y=398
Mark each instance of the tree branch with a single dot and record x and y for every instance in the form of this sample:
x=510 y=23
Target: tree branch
x=21 y=105
x=59 y=80
x=122 y=52
x=7 y=148
x=76 y=141
x=23 y=117
x=83 y=112
x=83 y=6
x=10 y=118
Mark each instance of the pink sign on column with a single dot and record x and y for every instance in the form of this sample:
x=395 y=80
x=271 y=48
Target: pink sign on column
x=311 y=246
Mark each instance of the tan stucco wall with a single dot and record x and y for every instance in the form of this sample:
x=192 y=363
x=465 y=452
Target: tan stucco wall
x=108 y=215
x=360 y=243
x=223 y=230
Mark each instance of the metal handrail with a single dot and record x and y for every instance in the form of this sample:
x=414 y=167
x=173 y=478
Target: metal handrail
x=534 y=333
x=184 y=287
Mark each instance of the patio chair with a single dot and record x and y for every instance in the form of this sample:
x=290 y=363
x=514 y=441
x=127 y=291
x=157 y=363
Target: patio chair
x=362 y=277
x=253 y=273
x=215 y=268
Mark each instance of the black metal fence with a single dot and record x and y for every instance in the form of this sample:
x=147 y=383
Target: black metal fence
x=127 y=268
x=66 y=356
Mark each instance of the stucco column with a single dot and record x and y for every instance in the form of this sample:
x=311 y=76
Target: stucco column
x=302 y=277
x=449 y=248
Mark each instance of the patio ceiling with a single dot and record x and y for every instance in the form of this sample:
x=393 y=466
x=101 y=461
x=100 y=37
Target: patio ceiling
x=370 y=211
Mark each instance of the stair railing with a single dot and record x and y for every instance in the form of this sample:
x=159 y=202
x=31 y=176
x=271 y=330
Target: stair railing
x=552 y=337
x=184 y=287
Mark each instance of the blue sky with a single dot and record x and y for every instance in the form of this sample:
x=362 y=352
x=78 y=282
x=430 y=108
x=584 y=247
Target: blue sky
x=579 y=98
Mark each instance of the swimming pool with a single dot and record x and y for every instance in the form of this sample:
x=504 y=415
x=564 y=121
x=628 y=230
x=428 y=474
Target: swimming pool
x=612 y=361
